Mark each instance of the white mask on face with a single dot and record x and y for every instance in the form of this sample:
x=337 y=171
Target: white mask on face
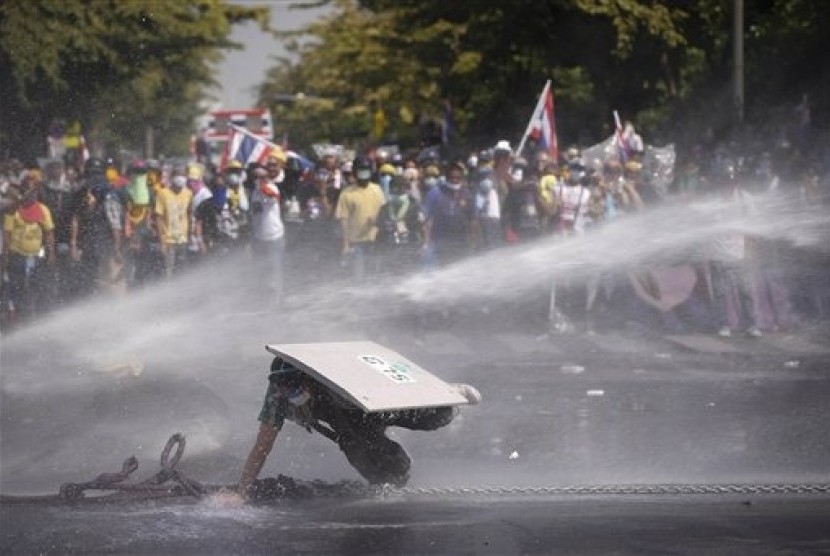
x=233 y=179
x=179 y=181
x=364 y=175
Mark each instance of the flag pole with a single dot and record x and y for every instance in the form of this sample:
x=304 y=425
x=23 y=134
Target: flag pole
x=540 y=104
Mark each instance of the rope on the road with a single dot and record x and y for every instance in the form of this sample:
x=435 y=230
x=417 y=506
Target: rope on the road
x=604 y=490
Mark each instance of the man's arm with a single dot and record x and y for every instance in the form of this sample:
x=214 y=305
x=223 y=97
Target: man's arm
x=256 y=458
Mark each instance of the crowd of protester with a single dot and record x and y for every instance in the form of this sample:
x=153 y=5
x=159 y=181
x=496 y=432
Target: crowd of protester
x=74 y=231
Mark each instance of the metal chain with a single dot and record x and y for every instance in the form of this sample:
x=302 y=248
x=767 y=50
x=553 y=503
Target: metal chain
x=588 y=490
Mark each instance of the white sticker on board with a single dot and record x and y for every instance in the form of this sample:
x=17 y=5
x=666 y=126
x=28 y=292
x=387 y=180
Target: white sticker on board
x=397 y=372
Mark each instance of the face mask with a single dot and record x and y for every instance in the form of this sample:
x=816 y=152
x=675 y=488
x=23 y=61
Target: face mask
x=179 y=181
x=431 y=182
x=364 y=175
x=233 y=179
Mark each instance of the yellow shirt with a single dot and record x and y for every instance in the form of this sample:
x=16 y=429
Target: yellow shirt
x=359 y=206
x=27 y=237
x=547 y=185
x=173 y=215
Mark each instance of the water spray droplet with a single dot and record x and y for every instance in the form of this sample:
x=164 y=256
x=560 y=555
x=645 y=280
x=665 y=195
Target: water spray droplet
x=571 y=369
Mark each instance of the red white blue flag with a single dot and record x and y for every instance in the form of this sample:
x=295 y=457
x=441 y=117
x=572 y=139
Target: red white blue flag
x=542 y=125
x=246 y=148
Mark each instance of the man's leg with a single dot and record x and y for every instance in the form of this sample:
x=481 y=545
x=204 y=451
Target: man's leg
x=427 y=419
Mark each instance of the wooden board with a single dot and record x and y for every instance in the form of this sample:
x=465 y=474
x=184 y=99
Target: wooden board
x=373 y=377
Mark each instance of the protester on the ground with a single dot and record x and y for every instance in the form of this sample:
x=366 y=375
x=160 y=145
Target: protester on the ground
x=295 y=396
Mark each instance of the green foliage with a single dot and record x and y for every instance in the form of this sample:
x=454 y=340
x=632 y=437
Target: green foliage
x=115 y=65
x=660 y=62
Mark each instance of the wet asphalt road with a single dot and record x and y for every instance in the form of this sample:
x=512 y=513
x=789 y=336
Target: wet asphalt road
x=604 y=525
x=614 y=408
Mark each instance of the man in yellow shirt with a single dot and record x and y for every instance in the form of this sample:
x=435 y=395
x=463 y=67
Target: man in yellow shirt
x=172 y=218
x=28 y=241
x=357 y=210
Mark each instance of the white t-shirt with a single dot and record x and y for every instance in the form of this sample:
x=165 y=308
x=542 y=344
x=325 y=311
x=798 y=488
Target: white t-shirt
x=266 y=217
x=573 y=204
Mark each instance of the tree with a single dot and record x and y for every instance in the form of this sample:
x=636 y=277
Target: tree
x=663 y=63
x=115 y=65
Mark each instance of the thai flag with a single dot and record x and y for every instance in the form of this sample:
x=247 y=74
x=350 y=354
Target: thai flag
x=246 y=148
x=542 y=125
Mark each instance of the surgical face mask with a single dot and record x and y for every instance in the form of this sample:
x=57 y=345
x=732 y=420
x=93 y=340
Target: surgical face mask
x=179 y=181
x=233 y=179
x=518 y=174
x=364 y=175
x=431 y=182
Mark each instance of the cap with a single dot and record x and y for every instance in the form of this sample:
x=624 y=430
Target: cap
x=432 y=171
x=137 y=166
x=233 y=165
x=387 y=169
x=503 y=145
x=362 y=163
x=278 y=153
